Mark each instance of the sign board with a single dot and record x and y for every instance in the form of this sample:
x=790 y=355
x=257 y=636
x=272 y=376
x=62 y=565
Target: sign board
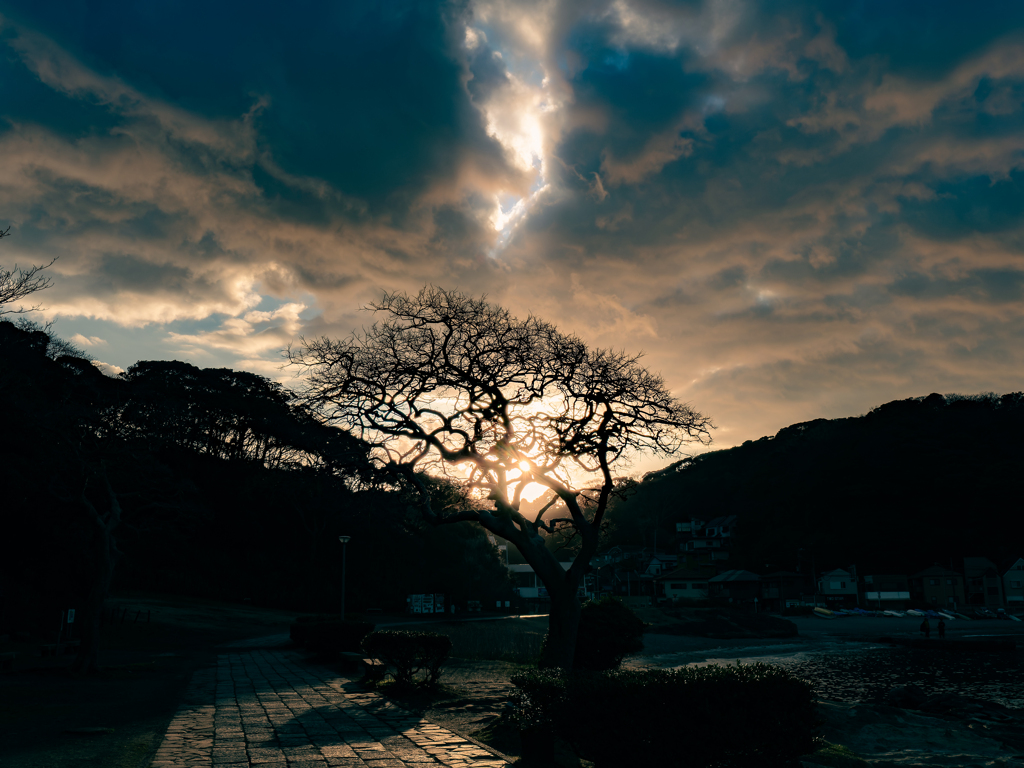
x=71 y=615
x=425 y=603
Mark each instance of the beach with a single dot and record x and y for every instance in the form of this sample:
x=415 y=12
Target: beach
x=857 y=679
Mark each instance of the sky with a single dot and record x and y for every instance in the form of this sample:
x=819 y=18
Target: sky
x=794 y=210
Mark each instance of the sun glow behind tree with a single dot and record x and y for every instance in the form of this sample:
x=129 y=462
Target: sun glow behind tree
x=454 y=387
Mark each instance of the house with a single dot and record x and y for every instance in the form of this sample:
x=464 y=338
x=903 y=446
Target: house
x=885 y=592
x=1013 y=584
x=937 y=587
x=691 y=527
x=684 y=583
x=782 y=589
x=658 y=564
x=741 y=587
x=708 y=543
x=695 y=544
x=720 y=527
x=984 y=586
x=838 y=587
x=527 y=585
x=619 y=553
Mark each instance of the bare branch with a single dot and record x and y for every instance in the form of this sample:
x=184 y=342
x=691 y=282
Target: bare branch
x=444 y=382
x=17 y=283
x=452 y=386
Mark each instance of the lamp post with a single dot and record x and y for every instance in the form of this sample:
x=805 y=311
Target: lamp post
x=344 y=540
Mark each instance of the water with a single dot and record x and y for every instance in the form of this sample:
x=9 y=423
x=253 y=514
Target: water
x=866 y=672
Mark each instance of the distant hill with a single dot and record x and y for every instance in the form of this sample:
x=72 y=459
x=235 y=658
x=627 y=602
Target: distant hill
x=912 y=483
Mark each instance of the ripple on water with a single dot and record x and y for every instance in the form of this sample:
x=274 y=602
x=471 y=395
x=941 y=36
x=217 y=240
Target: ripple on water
x=867 y=673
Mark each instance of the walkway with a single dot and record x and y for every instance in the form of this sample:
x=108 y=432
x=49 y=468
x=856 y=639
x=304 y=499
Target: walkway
x=262 y=709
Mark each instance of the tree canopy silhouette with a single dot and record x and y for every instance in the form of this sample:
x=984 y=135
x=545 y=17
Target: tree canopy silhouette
x=450 y=385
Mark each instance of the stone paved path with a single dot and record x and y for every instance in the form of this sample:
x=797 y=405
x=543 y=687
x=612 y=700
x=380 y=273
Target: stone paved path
x=261 y=709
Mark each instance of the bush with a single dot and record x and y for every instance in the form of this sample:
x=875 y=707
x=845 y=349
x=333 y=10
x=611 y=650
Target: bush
x=328 y=635
x=410 y=653
x=608 y=632
x=764 y=716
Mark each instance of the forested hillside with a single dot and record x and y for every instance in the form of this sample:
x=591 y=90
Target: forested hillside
x=199 y=481
x=911 y=483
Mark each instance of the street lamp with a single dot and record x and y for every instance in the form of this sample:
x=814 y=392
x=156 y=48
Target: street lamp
x=344 y=540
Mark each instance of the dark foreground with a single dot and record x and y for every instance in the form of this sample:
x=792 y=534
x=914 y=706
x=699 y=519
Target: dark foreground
x=121 y=718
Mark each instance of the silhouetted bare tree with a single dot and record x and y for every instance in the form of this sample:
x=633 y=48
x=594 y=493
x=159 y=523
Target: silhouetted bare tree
x=450 y=385
x=16 y=284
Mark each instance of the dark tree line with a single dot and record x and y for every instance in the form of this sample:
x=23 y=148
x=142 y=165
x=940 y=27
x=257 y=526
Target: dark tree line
x=912 y=483
x=209 y=482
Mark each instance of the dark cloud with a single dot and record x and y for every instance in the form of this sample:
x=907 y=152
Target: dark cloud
x=982 y=285
x=121 y=272
x=366 y=97
x=796 y=209
x=920 y=38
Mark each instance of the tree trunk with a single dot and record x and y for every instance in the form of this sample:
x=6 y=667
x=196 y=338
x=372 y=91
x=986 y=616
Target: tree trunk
x=563 y=627
x=87 y=660
x=105 y=558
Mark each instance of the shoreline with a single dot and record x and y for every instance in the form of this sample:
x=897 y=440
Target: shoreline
x=662 y=650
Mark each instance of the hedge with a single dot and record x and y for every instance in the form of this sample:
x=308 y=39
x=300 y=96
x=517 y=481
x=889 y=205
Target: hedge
x=410 y=653
x=608 y=632
x=751 y=715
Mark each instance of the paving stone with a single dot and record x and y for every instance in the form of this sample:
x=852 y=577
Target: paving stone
x=259 y=709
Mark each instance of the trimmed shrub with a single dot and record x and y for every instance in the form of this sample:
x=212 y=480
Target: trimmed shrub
x=763 y=715
x=537 y=699
x=535 y=703
x=609 y=631
x=410 y=653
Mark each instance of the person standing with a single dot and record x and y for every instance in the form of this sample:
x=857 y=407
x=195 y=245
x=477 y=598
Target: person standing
x=942 y=629
x=926 y=629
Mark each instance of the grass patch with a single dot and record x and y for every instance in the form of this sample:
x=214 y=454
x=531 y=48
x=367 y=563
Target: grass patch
x=513 y=640
x=834 y=756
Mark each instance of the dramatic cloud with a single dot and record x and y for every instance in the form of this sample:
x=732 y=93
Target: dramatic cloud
x=796 y=210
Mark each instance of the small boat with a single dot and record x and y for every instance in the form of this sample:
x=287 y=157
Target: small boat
x=961 y=616
x=931 y=614
x=1011 y=617
x=947 y=616
x=912 y=612
x=824 y=613
x=897 y=614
